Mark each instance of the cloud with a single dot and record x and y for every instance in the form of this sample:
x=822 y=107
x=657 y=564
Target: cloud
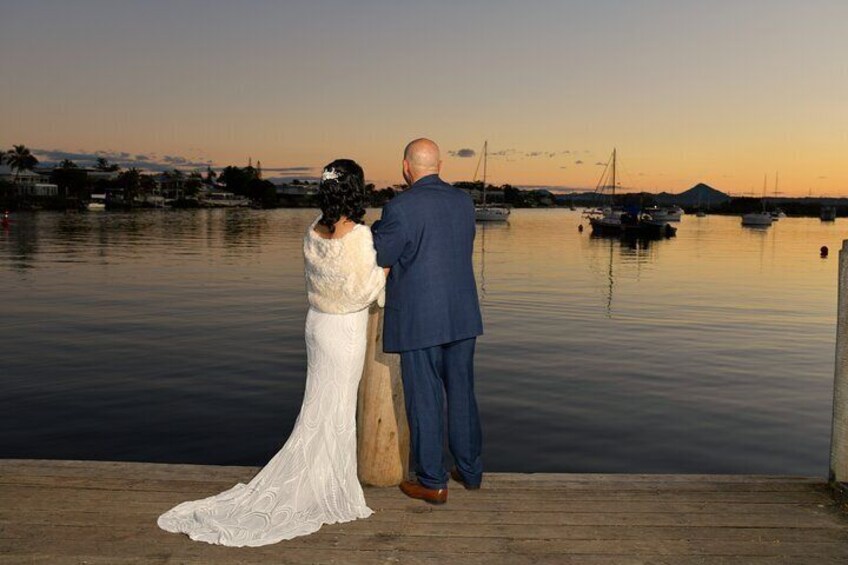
x=285 y=179
x=601 y=163
x=578 y=162
x=50 y=157
x=465 y=152
x=152 y=163
x=533 y=153
x=563 y=167
x=822 y=177
x=175 y=160
x=297 y=169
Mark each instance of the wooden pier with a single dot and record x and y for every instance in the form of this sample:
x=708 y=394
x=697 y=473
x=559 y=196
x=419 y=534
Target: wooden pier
x=87 y=512
x=105 y=513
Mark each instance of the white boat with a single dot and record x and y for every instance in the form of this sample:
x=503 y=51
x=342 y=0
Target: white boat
x=606 y=221
x=224 y=200
x=488 y=212
x=665 y=213
x=757 y=219
x=491 y=213
x=97 y=202
x=761 y=218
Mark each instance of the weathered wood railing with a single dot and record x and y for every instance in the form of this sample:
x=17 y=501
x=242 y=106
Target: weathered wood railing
x=382 y=429
x=839 y=433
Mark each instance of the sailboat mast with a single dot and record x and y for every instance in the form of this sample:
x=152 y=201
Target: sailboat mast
x=765 y=183
x=485 y=160
x=613 y=175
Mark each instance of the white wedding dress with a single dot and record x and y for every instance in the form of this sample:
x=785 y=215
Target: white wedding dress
x=312 y=480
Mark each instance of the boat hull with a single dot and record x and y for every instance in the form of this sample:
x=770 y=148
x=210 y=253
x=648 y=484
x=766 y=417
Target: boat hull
x=491 y=214
x=757 y=219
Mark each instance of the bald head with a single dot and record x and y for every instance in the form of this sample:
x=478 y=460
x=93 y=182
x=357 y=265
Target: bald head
x=420 y=158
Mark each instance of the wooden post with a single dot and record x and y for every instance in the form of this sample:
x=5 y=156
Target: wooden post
x=839 y=433
x=382 y=429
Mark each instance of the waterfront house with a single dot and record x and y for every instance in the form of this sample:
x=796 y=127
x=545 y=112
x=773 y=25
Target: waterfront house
x=27 y=184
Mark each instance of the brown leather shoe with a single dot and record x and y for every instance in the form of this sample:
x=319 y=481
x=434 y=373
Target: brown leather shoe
x=458 y=478
x=414 y=489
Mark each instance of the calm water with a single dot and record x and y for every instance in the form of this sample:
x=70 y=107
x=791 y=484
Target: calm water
x=177 y=337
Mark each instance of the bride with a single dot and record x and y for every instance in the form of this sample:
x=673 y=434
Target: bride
x=312 y=480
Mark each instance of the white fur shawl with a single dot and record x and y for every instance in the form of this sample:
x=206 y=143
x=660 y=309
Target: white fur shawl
x=342 y=275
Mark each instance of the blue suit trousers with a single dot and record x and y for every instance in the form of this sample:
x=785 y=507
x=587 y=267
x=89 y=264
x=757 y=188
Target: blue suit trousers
x=431 y=376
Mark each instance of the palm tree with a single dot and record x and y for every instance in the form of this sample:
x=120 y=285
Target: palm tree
x=20 y=159
x=211 y=175
x=67 y=164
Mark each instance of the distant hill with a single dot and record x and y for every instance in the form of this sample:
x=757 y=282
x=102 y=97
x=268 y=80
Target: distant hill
x=701 y=193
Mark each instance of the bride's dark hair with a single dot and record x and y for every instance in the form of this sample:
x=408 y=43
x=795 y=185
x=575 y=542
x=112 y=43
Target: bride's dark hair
x=341 y=193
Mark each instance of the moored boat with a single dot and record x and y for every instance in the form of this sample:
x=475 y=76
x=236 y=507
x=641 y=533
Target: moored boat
x=624 y=222
x=761 y=219
x=828 y=213
x=488 y=212
x=97 y=202
x=665 y=213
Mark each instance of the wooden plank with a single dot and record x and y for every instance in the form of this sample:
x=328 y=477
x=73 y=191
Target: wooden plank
x=141 y=541
x=105 y=512
x=94 y=480
x=17 y=527
x=133 y=470
x=371 y=557
x=54 y=499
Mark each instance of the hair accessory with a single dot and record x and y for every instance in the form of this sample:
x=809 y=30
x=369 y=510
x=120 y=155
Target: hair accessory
x=330 y=174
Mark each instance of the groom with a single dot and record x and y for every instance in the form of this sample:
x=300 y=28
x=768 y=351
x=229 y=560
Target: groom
x=432 y=318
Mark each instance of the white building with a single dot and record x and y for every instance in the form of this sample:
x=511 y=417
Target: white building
x=28 y=183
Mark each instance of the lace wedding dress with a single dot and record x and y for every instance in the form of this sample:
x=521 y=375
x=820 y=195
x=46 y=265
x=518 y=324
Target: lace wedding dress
x=312 y=480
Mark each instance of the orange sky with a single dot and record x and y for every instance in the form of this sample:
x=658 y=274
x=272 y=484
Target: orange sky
x=688 y=92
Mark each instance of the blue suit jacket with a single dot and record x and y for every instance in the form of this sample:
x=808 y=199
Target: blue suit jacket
x=426 y=235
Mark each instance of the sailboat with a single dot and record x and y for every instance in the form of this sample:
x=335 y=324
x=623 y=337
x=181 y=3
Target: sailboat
x=488 y=212
x=606 y=220
x=759 y=219
x=777 y=213
x=614 y=220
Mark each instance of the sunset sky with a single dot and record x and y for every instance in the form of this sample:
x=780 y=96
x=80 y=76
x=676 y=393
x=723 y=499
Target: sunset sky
x=720 y=92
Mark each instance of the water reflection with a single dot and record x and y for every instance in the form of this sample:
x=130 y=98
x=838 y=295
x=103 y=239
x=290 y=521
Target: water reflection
x=493 y=229
x=709 y=352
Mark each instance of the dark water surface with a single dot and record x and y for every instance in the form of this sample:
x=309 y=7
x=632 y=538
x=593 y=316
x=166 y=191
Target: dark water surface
x=178 y=337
